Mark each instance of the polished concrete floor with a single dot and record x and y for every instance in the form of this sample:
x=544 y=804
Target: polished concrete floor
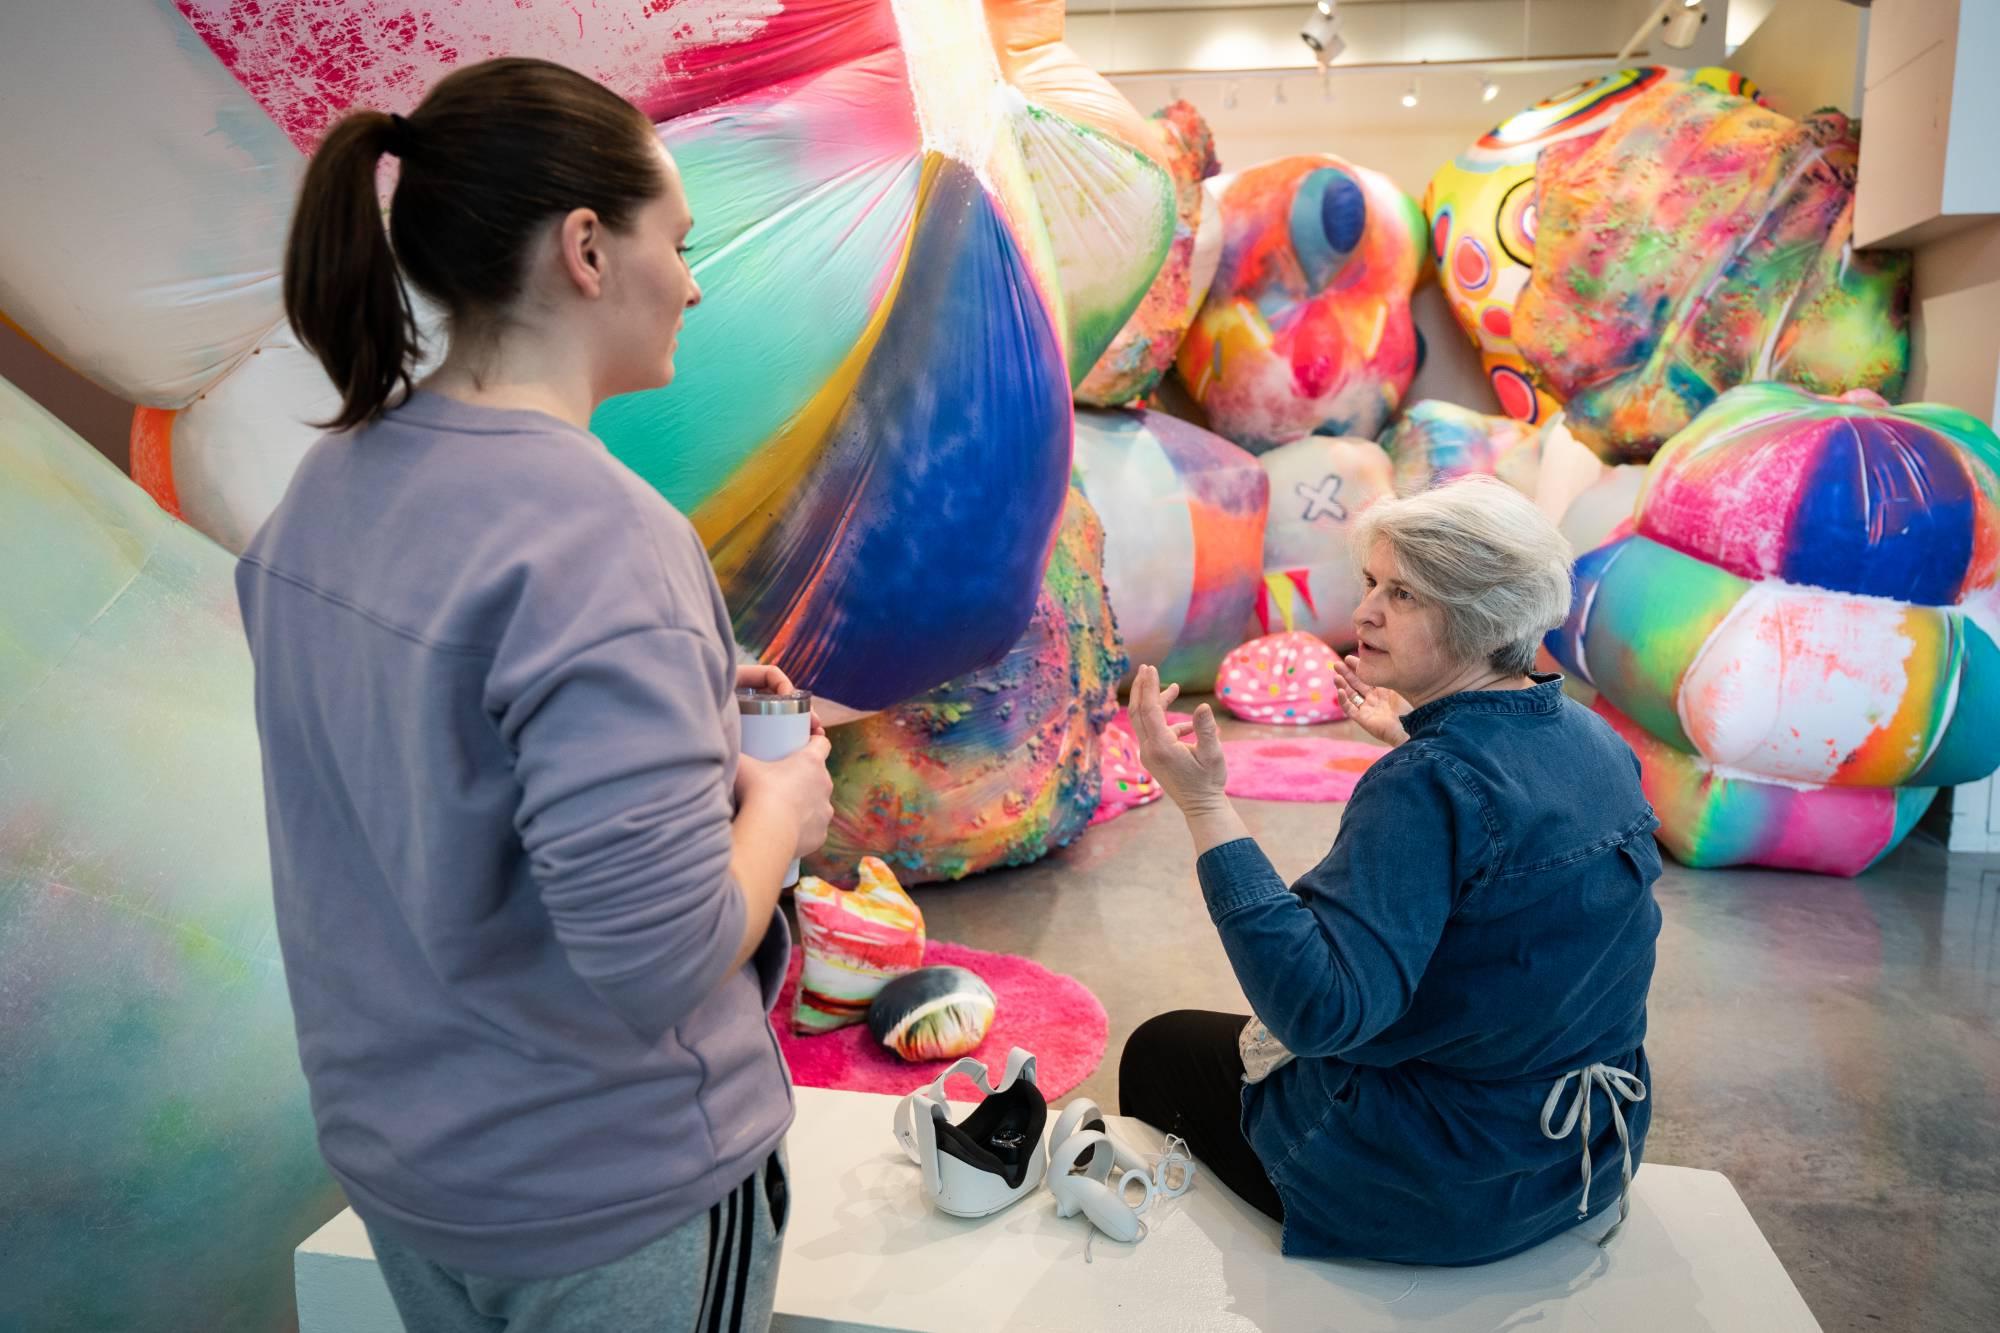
x=1829 y=1045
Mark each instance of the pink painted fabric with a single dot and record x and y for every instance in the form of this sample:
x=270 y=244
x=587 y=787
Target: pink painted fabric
x=1041 y=1011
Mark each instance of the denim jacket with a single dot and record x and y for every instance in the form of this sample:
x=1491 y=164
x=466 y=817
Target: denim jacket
x=1470 y=959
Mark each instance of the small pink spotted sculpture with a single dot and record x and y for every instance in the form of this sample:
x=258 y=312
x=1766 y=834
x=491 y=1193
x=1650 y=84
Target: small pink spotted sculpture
x=1284 y=680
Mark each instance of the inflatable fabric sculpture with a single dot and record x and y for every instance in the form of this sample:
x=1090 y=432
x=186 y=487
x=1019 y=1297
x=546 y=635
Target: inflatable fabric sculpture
x=1144 y=349
x=1709 y=819
x=1312 y=582
x=1807 y=596
x=928 y=216
x=1434 y=442
x=1481 y=207
x=1307 y=325
x=933 y=1013
x=1699 y=243
x=1282 y=679
x=1183 y=514
x=157 y=1156
x=1000 y=767
x=855 y=941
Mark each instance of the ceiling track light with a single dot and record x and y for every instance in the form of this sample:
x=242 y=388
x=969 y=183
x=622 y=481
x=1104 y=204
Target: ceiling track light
x=1677 y=21
x=1488 y=90
x=1410 y=94
x=1321 y=32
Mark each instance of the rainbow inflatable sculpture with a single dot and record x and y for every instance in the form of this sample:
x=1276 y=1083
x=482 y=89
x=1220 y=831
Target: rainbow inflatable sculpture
x=157 y=1158
x=1481 y=207
x=1698 y=243
x=1183 y=513
x=1145 y=348
x=1435 y=441
x=1307 y=325
x=999 y=767
x=1807 y=598
x=921 y=222
x=1312 y=581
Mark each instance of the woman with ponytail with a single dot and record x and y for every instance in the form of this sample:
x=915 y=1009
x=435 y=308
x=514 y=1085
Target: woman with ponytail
x=527 y=885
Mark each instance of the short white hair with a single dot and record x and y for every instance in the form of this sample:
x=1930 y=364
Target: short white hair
x=1492 y=562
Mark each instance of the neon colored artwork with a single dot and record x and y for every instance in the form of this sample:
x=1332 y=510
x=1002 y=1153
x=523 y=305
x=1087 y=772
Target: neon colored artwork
x=1806 y=595
x=1307 y=325
x=149 y=1078
x=1144 y=349
x=1285 y=680
x=855 y=941
x=1698 y=243
x=998 y=767
x=1481 y=209
x=920 y=223
x=1434 y=442
x=1183 y=514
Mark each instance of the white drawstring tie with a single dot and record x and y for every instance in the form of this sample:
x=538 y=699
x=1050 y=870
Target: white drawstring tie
x=1616 y=1083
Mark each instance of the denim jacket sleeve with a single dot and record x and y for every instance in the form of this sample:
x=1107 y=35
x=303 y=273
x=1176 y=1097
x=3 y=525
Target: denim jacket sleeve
x=1329 y=964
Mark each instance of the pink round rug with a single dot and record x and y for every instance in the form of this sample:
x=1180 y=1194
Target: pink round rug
x=1310 y=768
x=1041 y=1011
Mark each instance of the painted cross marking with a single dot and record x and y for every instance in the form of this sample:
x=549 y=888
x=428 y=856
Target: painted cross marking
x=1323 y=498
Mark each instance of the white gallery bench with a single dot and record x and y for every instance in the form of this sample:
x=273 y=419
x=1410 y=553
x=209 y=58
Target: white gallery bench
x=863 y=1252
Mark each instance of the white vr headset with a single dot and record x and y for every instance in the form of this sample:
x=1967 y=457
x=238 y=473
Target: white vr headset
x=996 y=1155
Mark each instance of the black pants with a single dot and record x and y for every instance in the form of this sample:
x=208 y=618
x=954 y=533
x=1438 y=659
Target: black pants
x=1181 y=1073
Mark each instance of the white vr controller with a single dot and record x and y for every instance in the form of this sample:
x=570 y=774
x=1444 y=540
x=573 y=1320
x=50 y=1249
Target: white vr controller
x=1082 y=1154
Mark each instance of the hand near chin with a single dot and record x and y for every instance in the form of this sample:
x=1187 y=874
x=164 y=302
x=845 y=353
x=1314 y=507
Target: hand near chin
x=1377 y=711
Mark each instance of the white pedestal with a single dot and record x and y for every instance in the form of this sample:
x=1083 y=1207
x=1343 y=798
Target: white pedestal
x=863 y=1252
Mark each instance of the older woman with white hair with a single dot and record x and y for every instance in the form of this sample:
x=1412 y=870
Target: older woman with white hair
x=1445 y=1051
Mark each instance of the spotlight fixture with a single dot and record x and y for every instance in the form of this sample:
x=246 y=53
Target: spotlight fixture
x=1229 y=98
x=1681 y=25
x=1278 y=95
x=1410 y=94
x=1321 y=32
x=1677 y=22
x=1488 y=90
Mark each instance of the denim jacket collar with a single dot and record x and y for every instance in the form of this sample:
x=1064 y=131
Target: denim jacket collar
x=1544 y=696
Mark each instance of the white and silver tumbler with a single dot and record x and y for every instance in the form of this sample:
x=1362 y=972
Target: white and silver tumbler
x=775 y=725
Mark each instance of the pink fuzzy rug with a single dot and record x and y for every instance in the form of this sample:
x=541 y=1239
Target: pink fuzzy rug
x=1305 y=768
x=1047 y=1013
x=1308 y=768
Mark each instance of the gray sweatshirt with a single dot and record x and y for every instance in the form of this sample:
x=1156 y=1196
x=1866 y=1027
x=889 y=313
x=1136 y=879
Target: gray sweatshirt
x=495 y=691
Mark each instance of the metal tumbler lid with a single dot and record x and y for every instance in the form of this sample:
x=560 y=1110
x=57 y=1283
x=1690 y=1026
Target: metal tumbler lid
x=752 y=701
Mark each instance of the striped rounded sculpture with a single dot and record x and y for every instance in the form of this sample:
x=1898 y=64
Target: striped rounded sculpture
x=1183 y=513
x=998 y=767
x=1481 y=208
x=1807 y=597
x=157 y=1156
x=922 y=220
x=1698 y=243
x=1307 y=326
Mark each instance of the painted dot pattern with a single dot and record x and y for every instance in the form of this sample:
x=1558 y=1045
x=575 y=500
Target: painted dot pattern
x=1282 y=679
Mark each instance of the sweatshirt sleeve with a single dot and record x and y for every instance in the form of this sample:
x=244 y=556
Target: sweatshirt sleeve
x=625 y=814
x=1329 y=965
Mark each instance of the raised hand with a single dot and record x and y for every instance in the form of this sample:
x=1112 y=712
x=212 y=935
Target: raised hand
x=1193 y=776
x=1378 y=711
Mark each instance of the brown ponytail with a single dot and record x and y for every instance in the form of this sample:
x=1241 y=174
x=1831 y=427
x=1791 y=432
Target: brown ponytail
x=494 y=152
